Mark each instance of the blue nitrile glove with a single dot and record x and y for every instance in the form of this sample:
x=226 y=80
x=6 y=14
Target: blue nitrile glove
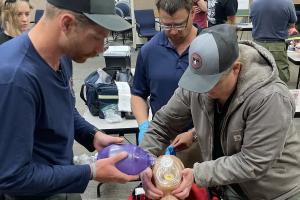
x=170 y=150
x=142 y=129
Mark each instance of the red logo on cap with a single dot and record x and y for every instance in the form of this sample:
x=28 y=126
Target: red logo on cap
x=196 y=61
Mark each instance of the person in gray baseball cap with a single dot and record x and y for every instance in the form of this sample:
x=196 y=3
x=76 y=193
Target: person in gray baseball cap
x=243 y=117
x=207 y=65
x=39 y=121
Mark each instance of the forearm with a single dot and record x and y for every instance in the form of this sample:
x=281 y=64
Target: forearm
x=39 y=179
x=22 y=165
x=36 y=155
x=292 y=29
x=291 y=26
x=84 y=131
x=139 y=108
x=202 y=5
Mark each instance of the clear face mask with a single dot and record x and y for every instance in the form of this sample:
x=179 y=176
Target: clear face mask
x=167 y=173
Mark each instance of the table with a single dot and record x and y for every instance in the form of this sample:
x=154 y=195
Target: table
x=296 y=95
x=126 y=126
x=294 y=57
x=244 y=27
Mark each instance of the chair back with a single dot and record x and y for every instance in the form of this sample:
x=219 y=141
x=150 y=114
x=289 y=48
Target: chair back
x=145 y=23
x=38 y=14
x=145 y=18
x=124 y=7
x=119 y=12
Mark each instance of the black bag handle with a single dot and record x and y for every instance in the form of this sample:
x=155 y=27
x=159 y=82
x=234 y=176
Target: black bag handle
x=82 y=94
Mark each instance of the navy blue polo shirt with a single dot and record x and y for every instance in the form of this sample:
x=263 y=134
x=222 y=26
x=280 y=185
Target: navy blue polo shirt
x=158 y=70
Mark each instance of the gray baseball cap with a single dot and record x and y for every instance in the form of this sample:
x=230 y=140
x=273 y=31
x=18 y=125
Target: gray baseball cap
x=101 y=12
x=211 y=53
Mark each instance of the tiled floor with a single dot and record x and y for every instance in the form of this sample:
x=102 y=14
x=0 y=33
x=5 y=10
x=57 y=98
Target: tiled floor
x=120 y=191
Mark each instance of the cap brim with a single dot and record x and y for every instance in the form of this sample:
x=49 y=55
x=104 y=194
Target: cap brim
x=198 y=83
x=110 y=22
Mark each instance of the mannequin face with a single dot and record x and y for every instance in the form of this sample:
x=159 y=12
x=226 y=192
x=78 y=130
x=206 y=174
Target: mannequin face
x=23 y=15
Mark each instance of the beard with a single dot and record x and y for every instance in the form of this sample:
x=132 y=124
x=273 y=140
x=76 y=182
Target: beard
x=79 y=60
x=79 y=57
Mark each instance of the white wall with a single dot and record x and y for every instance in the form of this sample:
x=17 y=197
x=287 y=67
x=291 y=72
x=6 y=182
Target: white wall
x=37 y=4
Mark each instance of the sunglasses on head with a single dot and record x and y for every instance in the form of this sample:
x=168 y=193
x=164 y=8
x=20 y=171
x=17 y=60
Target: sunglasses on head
x=12 y=1
x=9 y=1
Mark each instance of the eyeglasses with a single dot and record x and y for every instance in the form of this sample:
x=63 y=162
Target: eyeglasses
x=178 y=27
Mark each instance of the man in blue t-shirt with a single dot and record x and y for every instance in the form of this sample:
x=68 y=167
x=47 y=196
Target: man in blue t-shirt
x=39 y=121
x=160 y=64
x=271 y=21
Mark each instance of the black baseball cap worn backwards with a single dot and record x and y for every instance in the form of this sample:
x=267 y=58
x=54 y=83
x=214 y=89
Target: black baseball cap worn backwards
x=211 y=53
x=102 y=12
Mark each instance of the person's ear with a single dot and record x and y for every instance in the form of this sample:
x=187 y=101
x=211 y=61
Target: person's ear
x=67 y=21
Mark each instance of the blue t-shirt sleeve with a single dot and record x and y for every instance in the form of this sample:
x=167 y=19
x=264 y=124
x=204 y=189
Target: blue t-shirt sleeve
x=140 y=86
x=84 y=131
x=20 y=175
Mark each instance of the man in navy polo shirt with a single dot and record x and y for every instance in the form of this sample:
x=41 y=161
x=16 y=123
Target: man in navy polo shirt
x=162 y=61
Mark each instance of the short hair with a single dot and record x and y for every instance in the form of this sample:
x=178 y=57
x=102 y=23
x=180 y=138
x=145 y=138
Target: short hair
x=238 y=60
x=9 y=20
x=83 y=20
x=172 y=6
x=51 y=11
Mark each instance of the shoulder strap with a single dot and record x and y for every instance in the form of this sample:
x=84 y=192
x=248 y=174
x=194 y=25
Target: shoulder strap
x=82 y=93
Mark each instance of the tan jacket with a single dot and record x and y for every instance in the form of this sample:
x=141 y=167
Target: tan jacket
x=258 y=138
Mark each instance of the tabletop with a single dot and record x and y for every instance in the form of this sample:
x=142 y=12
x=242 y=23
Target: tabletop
x=294 y=57
x=126 y=126
x=244 y=26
